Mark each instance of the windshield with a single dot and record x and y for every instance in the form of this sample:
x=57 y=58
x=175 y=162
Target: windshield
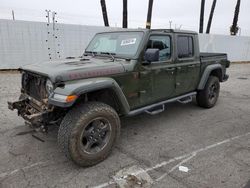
x=116 y=43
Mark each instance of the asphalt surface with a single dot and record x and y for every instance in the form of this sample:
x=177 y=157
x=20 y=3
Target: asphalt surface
x=185 y=146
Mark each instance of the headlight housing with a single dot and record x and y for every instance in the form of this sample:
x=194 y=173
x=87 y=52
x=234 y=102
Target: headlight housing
x=49 y=86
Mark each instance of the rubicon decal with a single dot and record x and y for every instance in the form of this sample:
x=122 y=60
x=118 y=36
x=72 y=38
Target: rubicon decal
x=94 y=73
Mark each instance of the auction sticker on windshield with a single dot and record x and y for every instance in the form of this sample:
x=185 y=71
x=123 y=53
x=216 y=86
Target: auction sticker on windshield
x=128 y=41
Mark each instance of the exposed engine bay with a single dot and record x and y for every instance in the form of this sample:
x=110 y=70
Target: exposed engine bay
x=33 y=102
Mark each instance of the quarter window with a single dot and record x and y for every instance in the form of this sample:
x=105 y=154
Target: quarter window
x=163 y=43
x=185 y=46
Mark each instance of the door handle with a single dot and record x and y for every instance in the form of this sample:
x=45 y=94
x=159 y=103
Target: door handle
x=191 y=66
x=170 y=69
x=179 y=68
x=144 y=72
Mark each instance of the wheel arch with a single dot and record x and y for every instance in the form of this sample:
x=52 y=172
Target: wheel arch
x=214 y=70
x=107 y=95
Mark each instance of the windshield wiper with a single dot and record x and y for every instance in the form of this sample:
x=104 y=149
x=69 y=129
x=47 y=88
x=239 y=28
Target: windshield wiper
x=91 y=52
x=110 y=54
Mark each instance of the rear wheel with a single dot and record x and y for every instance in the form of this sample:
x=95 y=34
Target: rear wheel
x=88 y=132
x=208 y=97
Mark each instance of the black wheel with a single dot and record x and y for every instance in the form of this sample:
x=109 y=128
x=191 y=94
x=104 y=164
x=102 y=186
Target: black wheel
x=88 y=132
x=208 y=97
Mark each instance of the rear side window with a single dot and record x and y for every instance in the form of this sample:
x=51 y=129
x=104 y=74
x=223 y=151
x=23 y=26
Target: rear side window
x=185 y=46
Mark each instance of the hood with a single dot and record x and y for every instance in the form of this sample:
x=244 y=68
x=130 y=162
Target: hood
x=79 y=68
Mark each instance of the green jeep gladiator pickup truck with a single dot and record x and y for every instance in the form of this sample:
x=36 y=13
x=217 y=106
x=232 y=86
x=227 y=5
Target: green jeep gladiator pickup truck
x=121 y=73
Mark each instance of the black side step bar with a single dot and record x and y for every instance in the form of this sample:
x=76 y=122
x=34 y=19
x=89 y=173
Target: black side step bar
x=182 y=99
x=185 y=100
x=154 y=112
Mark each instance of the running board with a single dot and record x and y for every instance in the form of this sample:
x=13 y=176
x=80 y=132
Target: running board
x=185 y=100
x=154 y=112
x=162 y=103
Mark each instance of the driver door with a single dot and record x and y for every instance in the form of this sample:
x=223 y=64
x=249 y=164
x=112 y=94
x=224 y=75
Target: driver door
x=162 y=72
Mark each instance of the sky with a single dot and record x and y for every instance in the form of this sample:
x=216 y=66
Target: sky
x=183 y=14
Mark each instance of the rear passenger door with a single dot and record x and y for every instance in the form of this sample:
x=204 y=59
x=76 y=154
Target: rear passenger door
x=187 y=63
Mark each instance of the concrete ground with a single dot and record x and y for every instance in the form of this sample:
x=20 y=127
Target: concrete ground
x=185 y=146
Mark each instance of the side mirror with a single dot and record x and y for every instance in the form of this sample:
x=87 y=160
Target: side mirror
x=151 y=55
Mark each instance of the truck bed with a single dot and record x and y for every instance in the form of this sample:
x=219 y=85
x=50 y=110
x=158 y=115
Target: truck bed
x=207 y=57
x=206 y=54
x=212 y=57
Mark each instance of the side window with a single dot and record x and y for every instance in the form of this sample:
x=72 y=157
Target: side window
x=163 y=43
x=185 y=46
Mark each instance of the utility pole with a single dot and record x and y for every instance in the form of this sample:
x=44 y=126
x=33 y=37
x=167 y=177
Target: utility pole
x=13 y=15
x=104 y=13
x=170 y=24
x=48 y=11
x=234 y=28
x=125 y=14
x=53 y=19
x=150 y=7
x=202 y=16
x=211 y=17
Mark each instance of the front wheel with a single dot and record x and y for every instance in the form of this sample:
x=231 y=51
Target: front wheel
x=208 y=97
x=88 y=132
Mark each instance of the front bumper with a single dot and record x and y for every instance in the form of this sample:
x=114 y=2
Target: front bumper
x=36 y=116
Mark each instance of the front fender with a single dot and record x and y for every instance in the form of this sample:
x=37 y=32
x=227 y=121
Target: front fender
x=79 y=87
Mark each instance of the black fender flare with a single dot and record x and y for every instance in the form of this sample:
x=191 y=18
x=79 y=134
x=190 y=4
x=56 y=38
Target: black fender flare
x=207 y=73
x=80 y=87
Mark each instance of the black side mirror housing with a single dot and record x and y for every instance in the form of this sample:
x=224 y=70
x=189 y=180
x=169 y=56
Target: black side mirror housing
x=151 y=55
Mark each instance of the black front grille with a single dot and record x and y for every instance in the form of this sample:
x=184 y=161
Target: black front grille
x=34 y=85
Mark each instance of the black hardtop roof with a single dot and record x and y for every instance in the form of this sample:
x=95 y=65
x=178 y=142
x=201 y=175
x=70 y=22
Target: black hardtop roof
x=174 y=31
x=152 y=30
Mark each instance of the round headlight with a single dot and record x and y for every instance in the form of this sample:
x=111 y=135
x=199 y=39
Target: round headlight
x=49 y=86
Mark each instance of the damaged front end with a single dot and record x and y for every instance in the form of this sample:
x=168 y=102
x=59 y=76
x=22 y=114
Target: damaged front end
x=33 y=103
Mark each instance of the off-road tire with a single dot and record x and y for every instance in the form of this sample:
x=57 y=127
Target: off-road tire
x=203 y=97
x=73 y=125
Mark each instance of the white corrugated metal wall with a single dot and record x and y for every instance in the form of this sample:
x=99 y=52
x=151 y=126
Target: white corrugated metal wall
x=237 y=47
x=24 y=42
